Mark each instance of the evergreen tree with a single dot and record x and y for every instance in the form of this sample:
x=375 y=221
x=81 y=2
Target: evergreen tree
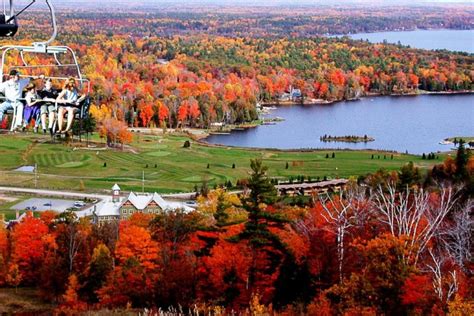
x=204 y=188
x=462 y=158
x=409 y=175
x=260 y=238
x=220 y=215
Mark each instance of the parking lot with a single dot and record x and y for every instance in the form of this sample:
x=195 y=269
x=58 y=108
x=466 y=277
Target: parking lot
x=44 y=204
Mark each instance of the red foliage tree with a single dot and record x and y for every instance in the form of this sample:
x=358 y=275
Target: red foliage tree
x=28 y=247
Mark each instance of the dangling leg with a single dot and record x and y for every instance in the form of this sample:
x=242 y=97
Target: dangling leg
x=70 y=117
x=44 y=112
x=52 y=118
x=19 y=114
x=37 y=118
x=60 y=119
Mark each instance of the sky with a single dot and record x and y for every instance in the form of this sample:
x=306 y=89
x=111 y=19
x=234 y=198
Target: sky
x=157 y=4
x=259 y=2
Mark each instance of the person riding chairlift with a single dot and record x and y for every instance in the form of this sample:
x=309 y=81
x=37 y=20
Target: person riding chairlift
x=69 y=102
x=48 y=108
x=13 y=89
x=33 y=104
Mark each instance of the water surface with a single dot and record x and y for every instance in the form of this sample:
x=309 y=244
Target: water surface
x=454 y=40
x=414 y=124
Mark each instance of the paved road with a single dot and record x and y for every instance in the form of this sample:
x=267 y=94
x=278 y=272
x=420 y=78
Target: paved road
x=54 y=193
x=66 y=194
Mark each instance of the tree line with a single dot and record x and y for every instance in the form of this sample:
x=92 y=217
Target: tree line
x=390 y=242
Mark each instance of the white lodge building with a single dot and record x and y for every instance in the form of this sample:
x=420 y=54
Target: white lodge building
x=118 y=207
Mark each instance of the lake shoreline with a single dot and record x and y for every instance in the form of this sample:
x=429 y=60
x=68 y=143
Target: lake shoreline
x=368 y=95
x=201 y=141
x=202 y=135
x=349 y=118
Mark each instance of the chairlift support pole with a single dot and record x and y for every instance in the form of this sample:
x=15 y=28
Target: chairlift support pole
x=12 y=13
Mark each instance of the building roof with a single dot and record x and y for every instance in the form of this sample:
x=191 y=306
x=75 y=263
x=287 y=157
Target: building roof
x=102 y=208
x=116 y=187
x=312 y=185
x=139 y=201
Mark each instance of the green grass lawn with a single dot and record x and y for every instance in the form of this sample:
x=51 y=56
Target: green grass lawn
x=169 y=167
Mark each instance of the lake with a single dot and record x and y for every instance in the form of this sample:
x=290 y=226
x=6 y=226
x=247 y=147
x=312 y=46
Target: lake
x=454 y=40
x=415 y=124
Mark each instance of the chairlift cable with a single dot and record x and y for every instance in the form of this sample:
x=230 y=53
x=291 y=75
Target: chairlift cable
x=14 y=16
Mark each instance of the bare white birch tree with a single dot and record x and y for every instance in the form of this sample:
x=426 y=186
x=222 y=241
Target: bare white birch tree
x=458 y=238
x=76 y=239
x=412 y=215
x=440 y=280
x=341 y=214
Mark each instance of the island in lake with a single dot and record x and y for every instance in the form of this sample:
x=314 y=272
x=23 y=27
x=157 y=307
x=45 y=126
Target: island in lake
x=346 y=139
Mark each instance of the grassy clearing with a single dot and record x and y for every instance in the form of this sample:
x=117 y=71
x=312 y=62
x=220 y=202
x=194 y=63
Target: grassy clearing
x=169 y=167
x=23 y=301
x=6 y=205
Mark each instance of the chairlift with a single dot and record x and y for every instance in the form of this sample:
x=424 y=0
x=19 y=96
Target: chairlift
x=62 y=57
x=8 y=23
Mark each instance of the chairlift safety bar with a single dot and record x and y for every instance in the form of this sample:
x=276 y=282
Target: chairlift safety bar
x=32 y=49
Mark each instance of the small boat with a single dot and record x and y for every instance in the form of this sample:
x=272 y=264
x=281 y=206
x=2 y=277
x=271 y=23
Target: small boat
x=445 y=142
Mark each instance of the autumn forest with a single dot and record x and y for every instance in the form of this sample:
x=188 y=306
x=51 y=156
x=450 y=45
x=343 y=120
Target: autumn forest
x=146 y=73
x=388 y=243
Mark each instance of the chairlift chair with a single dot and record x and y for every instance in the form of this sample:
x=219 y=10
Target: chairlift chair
x=8 y=28
x=8 y=23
